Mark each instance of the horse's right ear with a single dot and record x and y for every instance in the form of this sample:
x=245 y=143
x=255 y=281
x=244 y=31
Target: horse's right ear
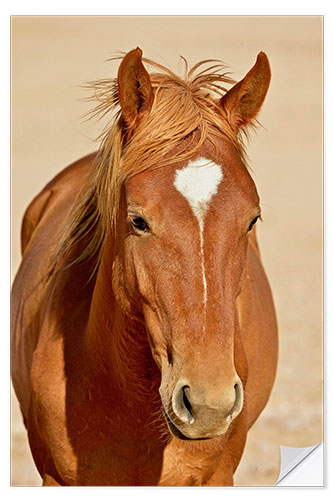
x=243 y=101
x=134 y=88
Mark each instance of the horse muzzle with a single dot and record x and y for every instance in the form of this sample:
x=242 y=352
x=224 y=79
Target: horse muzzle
x=194 y=413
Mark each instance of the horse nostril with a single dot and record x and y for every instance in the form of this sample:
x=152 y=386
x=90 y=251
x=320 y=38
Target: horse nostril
x=238 y=404
x=182 y=404
x=187 y=403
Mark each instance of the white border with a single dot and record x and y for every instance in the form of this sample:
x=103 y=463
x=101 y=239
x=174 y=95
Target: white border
x=284 y=7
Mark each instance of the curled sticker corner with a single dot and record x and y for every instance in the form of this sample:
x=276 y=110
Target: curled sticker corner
x=301 y=466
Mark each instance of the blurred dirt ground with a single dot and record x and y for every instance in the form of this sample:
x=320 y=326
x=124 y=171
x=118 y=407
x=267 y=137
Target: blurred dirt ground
x=53 y=56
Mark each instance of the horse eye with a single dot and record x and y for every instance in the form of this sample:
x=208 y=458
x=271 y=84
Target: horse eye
x=139 y=224
x=253 y=222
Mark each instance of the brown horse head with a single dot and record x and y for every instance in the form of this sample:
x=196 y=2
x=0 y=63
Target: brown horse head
x=186 y=211
x=172 y=195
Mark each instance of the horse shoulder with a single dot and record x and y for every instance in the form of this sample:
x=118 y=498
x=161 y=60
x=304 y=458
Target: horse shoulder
x=41 y=224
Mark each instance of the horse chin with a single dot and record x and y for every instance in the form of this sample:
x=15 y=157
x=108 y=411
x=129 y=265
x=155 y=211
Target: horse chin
x=177 y=433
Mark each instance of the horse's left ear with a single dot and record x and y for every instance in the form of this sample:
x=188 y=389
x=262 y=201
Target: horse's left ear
x=243 y=101
x=134 y=88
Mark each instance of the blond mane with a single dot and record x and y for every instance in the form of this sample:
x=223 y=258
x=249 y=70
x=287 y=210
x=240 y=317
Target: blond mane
x=183 y=108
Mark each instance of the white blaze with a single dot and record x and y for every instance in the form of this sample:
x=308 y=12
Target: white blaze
x=198 y=182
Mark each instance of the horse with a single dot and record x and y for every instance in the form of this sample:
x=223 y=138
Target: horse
x=144 y=336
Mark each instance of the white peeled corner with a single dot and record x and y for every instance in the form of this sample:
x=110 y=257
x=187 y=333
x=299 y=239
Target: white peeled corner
x=301 y=466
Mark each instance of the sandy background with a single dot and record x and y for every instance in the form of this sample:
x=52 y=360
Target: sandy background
x=53 y=56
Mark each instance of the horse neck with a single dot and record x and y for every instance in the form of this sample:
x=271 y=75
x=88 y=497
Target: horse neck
x=117 y=346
